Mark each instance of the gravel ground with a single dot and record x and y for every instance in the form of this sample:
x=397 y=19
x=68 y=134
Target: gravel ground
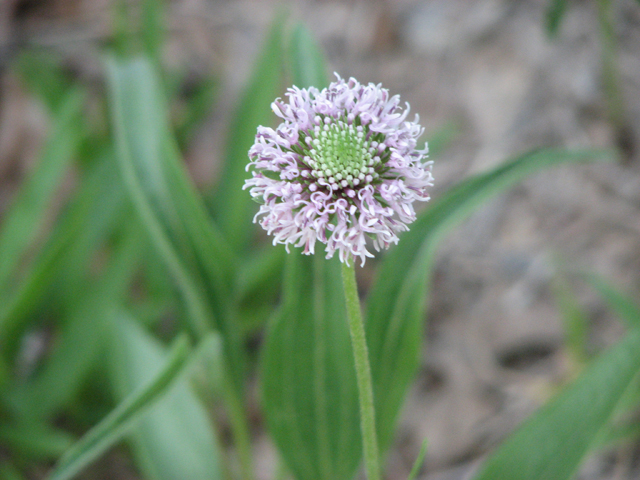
x=495 y=347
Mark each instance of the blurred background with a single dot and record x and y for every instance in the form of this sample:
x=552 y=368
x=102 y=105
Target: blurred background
x=489 y=79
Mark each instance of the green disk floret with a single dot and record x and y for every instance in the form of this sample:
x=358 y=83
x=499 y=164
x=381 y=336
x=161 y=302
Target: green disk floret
x=341 y=154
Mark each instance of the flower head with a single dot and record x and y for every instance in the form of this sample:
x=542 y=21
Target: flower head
x=341 y=167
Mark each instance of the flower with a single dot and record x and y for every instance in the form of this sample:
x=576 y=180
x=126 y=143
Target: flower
x=341 y=167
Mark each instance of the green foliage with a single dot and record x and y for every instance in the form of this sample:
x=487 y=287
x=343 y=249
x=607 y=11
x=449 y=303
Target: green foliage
x=21 y=225
x=551 y=444
x=175 y=439
x=574 y=319
x=157 y=382
x=232 y=204
x=191 y=246
x=418 y=463
x=62 y=261
x=81 y=339
x=135 y=232
x=307 y=64
x=624 y=306
x=310 y=396
x=396 y=304
x=554 y=15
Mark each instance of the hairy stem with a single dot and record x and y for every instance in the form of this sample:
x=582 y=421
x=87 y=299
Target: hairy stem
x=363 y=373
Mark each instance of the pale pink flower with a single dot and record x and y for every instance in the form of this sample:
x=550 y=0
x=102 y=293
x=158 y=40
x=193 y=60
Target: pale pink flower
x=342 y=169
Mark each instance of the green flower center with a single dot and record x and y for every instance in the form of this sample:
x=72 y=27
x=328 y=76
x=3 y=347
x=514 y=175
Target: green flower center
x=343 y=155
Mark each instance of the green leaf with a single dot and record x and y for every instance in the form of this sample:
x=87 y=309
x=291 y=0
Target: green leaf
x=307 y=63
x=442 y=137
x=173 y=213
x=574 y=319
x=309 y=389
x=84 y=223
x=176 y=438
x=419 y=461
x=620 y=434
x=234 y=206
x=152 y=19
x=24 y=219
x=130 y=411
x=397 y=299
x=623 y=305
x=45 y=77
x=81 y=340
x=554 y=15
x=260 y=280
x=551 y=444
x=9 y=472
x=34 y=440
x=197 y=106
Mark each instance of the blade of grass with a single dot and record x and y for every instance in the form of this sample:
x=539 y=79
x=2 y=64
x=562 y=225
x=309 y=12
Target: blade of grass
x=307 y=64
x=232 y=204
x=419 y=461
x=397 y=300
x=623 y=305
x=153 y=26
x=176 y=439
x=131 y=410
x=81 y=340
x=26 y=216
x=574 y=319
x=189 y=244
x=552 y=443
x=193 y=249
x=147 y=163
x=71 y=241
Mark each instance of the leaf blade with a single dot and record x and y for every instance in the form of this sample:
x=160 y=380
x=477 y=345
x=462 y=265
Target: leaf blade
x=192 y=247
x=27 y=213
x=234 y=205
x=551 y=444
x=396 y=303
x=623 y=305
x=176 y=438
x=309 y=388
x=115 y=425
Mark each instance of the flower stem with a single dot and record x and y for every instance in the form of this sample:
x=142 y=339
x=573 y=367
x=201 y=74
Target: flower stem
x=363 y=373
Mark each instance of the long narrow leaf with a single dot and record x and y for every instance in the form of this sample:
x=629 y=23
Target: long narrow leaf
x=113 y=427
x=551 y=444
x=176 y=439
x=27 y=214
x=233 y=204
x=193 y=249
x=310 y=394
x=397 y=299
x=624 y=306
x=307 y=64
